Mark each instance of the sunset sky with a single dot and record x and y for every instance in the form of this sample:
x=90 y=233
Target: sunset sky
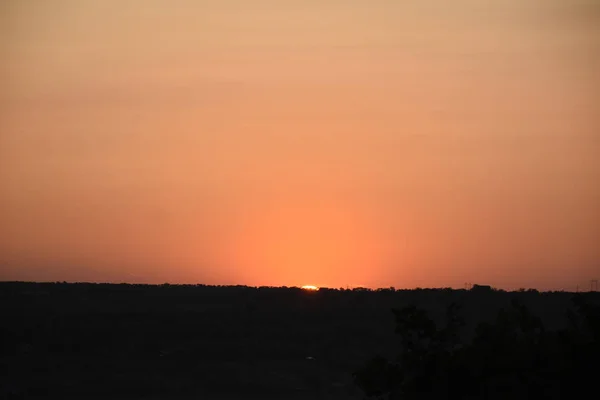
x=287 y=142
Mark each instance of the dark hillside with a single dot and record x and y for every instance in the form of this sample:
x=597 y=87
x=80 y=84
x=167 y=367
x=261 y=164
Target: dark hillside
x=190 y=341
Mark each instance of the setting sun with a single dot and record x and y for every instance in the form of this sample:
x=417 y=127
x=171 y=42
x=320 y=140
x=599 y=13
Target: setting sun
x=310 y=287
x=299 y=240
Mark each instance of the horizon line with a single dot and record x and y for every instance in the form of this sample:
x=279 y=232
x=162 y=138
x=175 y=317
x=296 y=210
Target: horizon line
x=347 y=287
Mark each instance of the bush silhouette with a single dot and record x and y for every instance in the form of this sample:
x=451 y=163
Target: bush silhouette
x=513 y=356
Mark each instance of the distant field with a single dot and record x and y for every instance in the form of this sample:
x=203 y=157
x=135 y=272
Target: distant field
x=170 y=341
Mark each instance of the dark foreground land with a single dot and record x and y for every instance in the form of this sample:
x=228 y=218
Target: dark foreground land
x=101 y=341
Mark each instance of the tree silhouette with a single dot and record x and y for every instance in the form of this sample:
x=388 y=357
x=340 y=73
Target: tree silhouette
x=513 y=356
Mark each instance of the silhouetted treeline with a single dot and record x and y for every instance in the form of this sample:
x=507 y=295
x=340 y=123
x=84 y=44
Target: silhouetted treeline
x=177 y=341
x=514 y=356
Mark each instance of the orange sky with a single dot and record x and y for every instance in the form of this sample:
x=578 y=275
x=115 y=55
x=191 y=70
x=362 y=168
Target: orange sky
x=366 y=142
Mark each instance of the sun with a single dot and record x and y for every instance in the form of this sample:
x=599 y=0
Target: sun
x=310 y=287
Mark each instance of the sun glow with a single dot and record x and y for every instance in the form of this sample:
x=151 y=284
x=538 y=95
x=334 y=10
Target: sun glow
x=294 y=239
x=310 y=287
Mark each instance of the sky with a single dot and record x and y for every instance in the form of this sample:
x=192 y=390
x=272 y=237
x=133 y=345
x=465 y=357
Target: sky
x=376 y=143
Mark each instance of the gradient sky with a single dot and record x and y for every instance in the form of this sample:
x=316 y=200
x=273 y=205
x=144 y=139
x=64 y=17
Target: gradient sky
x=288 y=142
